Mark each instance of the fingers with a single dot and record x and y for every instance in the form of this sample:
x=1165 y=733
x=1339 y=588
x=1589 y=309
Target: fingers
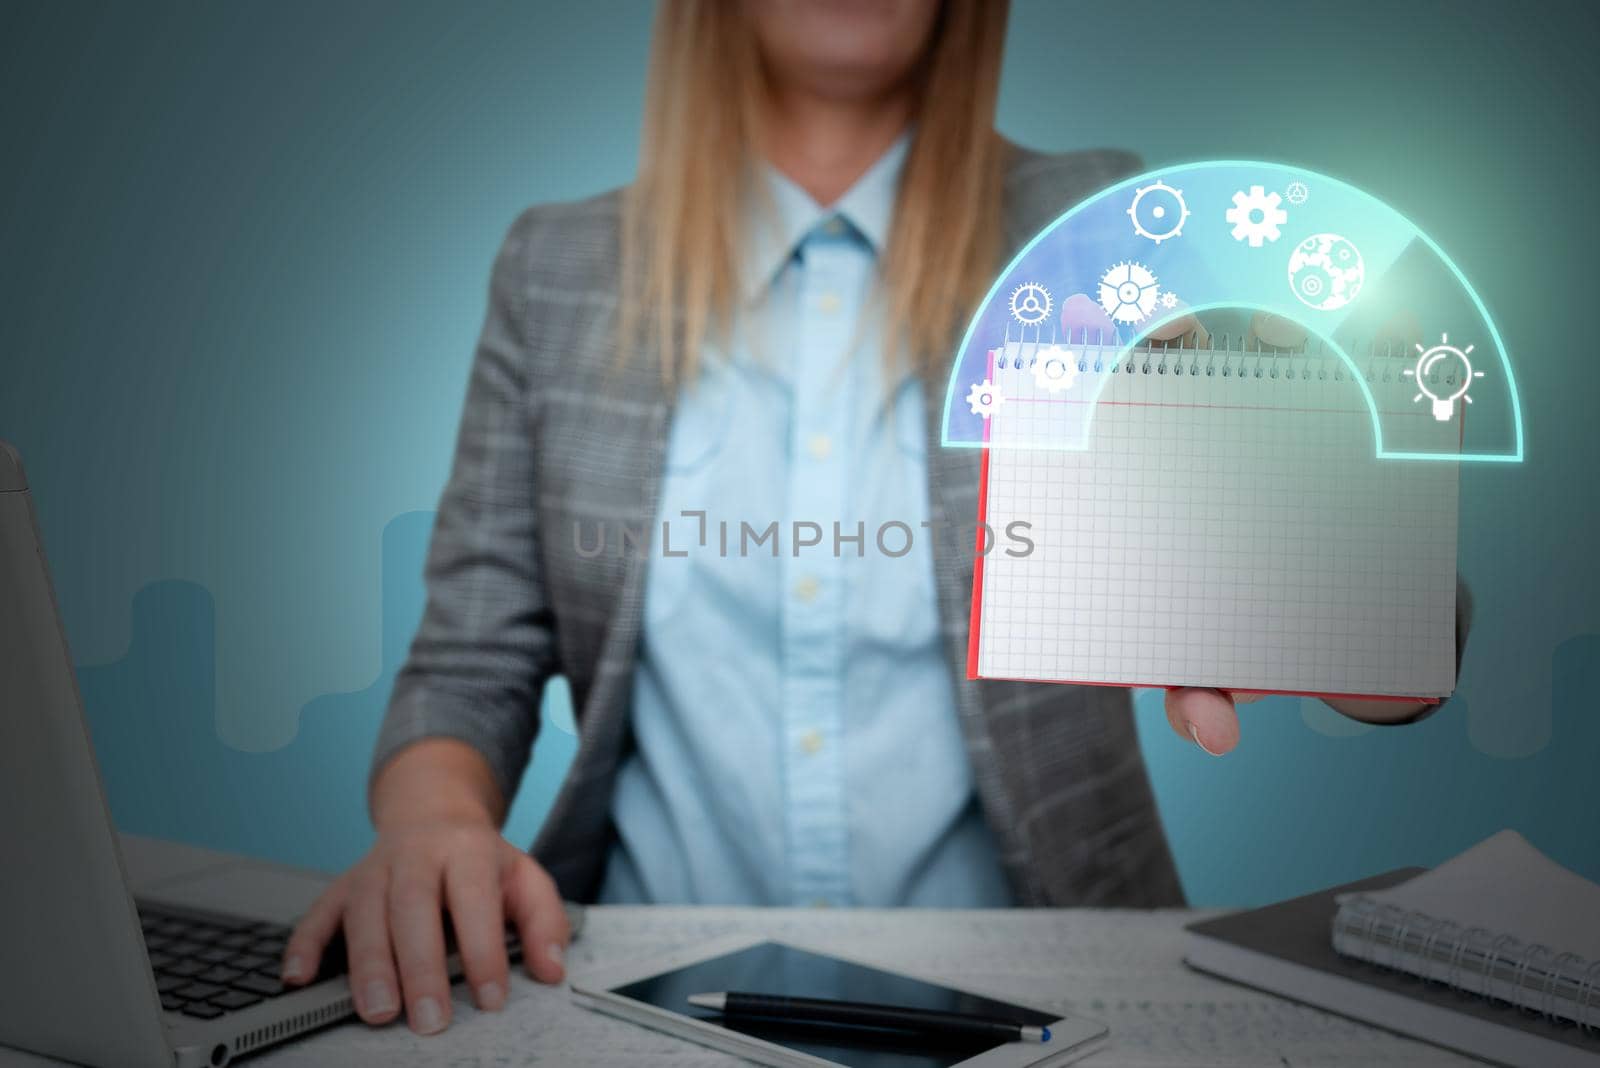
x=1401 y=327
x=416 y=924
x=1205 y=717
x=1183 y=332
x=1269 y=331
x=1084 y=322
x=472 y=892
x=392 y=910
x=1276 y=332
x=366 y=935
x=303 y=955
x=534 y=905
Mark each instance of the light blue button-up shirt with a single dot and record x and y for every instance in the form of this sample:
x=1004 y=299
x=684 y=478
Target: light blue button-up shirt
x=794 y=719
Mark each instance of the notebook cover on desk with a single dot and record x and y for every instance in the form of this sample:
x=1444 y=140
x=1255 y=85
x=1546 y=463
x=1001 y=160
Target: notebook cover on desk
x=1299 y=931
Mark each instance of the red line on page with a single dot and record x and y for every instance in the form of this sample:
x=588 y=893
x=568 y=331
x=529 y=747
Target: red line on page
x=1232 y=689
x=975 y=615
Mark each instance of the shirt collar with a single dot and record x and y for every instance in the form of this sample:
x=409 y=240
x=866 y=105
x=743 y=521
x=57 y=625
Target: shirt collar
x=770 y=240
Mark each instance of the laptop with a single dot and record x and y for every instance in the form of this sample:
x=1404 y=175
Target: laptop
x=122 y=951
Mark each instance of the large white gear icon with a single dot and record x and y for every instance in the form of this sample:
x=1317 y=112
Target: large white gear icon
x=1163 y=216
x=1030 y=304
x=1055 y=368
x=1326 y=272
x=1128 y=292
x=1256 y=216
x=984 y=397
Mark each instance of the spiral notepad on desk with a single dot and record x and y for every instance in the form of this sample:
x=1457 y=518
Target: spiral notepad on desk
x=1495 y=952
x=1215 y=517
x=1502 y=921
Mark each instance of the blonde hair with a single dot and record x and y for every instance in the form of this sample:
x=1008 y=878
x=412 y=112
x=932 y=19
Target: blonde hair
x=702 y=132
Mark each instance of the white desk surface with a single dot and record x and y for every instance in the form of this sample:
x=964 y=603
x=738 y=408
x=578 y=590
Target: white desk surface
x=1123 y=968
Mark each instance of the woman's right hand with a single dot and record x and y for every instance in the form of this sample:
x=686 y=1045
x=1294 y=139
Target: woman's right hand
x=436 y=851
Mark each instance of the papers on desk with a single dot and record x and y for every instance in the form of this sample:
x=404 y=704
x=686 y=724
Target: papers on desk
x=1495 y=953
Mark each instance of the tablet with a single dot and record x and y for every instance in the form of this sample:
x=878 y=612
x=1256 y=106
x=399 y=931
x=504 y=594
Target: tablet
x=656 y=996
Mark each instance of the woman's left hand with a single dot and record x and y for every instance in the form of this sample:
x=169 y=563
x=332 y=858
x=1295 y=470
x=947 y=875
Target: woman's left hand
x=1210 y=718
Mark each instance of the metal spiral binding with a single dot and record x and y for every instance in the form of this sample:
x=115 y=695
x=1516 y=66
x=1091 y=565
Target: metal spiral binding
x=1520 y=982
x=1410 y=920
x=1454 y=975
x=1396 y=919
x=1478 y=951
x=1219 y=357
x=1439 y=927
x=1491 y=966
x=1588 y=999
x=1553 y=977
x=1371 y=911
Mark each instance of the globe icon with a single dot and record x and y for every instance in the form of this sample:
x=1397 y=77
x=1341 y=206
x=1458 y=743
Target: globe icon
x=1326 y=272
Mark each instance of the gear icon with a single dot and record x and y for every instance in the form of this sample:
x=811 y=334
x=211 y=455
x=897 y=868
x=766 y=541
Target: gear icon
x=1296 y=192
x=1313 y=284
x=1256 y=216
x=1169 y=299
x=984 y=397
x=1164 y=214
x=1030 y=304
x=1128 y=292
x=1055 y=368
x=1326 y=272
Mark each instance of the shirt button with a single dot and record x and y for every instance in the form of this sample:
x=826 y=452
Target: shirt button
x=807 y=588
x=819 y=446
x=828 y=303
x=833 y=227
x=811 y=742
x=821 y=903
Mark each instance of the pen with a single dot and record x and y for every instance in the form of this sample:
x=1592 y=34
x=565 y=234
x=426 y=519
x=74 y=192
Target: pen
x=861 y=1014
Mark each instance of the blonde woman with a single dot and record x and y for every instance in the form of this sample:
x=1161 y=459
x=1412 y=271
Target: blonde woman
x=750 y=338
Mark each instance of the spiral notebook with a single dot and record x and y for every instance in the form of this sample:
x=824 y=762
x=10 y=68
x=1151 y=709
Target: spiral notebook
x=1223 y=521
x=1495 y=953
x=1502 y=921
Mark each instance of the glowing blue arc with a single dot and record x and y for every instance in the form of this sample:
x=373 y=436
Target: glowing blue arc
x=1226 y=272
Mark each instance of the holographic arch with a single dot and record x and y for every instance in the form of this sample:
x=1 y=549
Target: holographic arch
x=1252 y=235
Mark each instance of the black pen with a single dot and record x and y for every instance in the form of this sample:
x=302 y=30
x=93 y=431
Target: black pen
x=860 y=1014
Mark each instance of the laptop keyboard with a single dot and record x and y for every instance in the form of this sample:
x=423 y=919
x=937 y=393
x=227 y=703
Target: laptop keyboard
x=210 y=966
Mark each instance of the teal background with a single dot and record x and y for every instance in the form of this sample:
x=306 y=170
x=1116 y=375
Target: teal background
x=243 y=256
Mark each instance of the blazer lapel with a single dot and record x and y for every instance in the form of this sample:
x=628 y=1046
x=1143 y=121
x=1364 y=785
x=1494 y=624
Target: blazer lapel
x=619 y=418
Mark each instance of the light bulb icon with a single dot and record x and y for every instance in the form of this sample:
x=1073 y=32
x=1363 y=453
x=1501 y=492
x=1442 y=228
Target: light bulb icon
x=1427 y=376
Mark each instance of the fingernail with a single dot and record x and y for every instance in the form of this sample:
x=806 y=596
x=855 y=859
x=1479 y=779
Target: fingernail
x=1194 y=732
x=294 y=968
x=556 y=953
x=426 y=1016
x=491 y=996
x=377 y=998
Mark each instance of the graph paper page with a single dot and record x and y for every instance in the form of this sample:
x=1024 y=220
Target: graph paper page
x=1232 y=530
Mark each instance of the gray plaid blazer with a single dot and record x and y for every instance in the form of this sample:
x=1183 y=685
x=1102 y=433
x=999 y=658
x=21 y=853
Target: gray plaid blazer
x=557 y=433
